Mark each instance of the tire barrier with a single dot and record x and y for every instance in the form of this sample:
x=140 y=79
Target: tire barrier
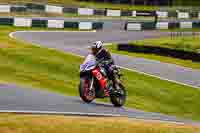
x=6 y=21
x=50 y=23
x=85 y=11
x=35 y=7
x=135 y=26
x=87 y=25
x=53 y=9
x=181 y=54
x=18 y=8
x=22 y=22
x=5 y=8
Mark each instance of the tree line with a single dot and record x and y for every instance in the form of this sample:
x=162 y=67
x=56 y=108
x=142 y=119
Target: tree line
x=153 y=2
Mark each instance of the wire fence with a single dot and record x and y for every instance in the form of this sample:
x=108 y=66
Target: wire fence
x=194 y=34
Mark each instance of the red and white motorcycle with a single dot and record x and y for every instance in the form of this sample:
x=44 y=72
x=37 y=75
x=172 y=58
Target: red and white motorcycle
x=93 y=81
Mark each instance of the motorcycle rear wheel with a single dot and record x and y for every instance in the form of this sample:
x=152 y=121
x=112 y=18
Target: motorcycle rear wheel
x=118 y=100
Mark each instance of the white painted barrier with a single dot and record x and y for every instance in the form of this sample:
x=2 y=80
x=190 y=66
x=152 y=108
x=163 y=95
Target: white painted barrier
x=85 y=11
x=162 y=14
x=56 y=23
x=5 y=8
x=162 y=25
x=85 y=25
x=114 y=13
x=134 y=14
x=186 y=25
x=134 y=26
x=183 y=15
x=22 y=22
x=53 y=9
x=199 y=15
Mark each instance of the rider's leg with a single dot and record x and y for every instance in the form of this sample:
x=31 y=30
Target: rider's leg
x=108 y=86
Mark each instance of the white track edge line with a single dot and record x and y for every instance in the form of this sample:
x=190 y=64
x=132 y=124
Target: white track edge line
x=49 y=31
x=177 y=82
x=85 y=114
x=58 y=113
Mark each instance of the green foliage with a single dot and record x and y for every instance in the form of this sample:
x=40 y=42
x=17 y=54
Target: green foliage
x=186 y=2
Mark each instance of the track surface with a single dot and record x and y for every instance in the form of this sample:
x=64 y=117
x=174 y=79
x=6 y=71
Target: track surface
x=13 y=98
x=77 y=42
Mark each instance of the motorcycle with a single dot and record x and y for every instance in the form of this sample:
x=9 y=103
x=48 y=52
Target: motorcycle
x=93 y=81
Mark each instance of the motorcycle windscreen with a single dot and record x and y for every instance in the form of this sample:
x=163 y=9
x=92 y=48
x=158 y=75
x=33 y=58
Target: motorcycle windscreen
x=90 y=58
x=89 y=61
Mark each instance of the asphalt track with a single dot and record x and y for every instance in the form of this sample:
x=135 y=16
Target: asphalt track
x=18 y=99
x=26 y=100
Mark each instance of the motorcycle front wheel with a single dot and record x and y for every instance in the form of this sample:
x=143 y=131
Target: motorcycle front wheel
x=86 y=94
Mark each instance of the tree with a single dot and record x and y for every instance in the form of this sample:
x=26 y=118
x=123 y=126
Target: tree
x=133 y=2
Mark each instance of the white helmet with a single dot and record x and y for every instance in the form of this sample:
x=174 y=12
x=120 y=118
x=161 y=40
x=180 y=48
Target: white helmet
x=97 y=44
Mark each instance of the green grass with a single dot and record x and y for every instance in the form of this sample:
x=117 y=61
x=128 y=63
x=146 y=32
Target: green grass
x=181 y=30
x=181 y=43
x=36 y=66
x=184 y=43
x=32 y=66
x=10 y=123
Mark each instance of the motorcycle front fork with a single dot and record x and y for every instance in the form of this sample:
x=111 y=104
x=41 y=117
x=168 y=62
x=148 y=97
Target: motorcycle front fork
x=92 y=83
x=116 y=81
x=113 y=85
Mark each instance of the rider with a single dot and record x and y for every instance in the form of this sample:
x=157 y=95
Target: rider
x=105 y=57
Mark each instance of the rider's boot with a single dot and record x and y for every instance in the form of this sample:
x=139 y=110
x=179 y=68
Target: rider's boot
x=106 y=93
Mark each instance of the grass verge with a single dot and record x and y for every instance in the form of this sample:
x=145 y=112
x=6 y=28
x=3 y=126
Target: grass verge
x=38 y=67
x=182 y=43
x=178 y=30
x=50 y=124
x=185 y=43
x=75 y=16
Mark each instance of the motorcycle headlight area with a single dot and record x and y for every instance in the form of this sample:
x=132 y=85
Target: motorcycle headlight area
x=82 y=67
x=89 y=67
x=86 y=67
